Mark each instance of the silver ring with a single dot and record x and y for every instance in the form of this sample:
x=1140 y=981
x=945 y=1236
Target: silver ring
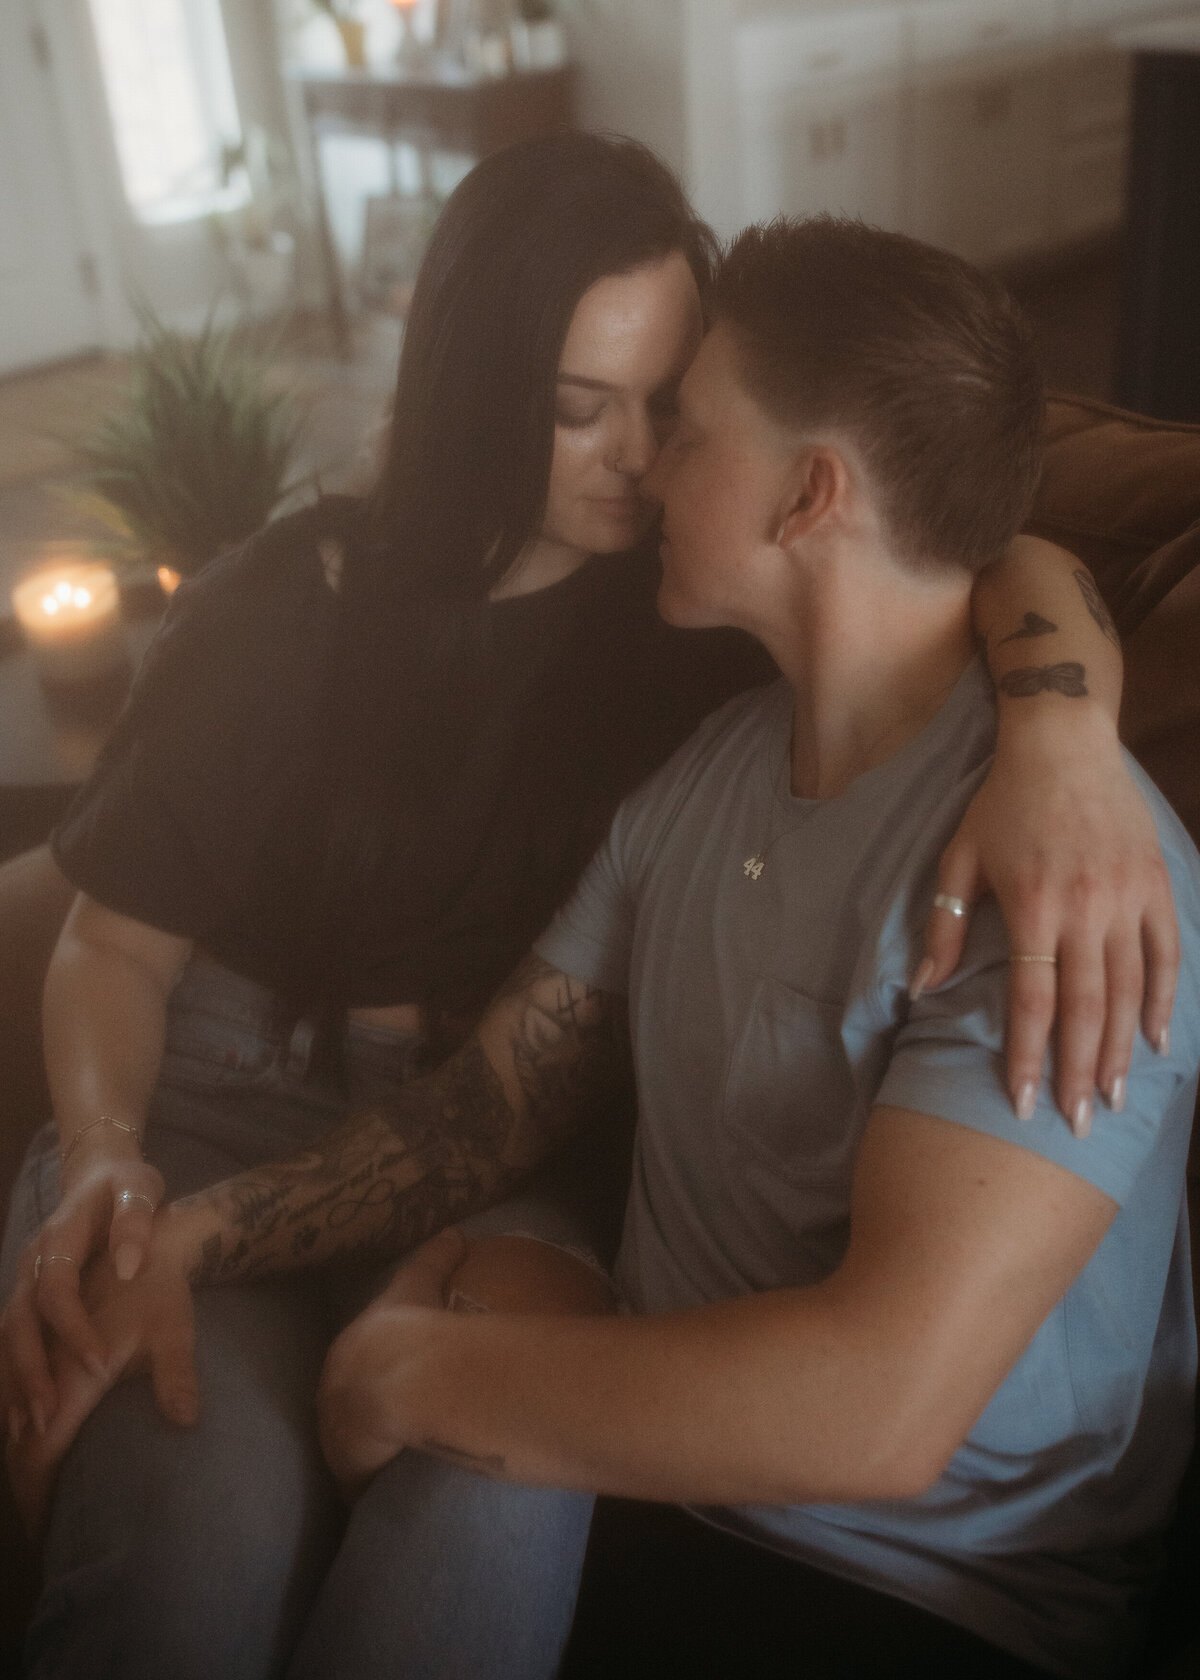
x=128 y=1197
x=1019 y=956
x=45 y=1260
x=947 y=901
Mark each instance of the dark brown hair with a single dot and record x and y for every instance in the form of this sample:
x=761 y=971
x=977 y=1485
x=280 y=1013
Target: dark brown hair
x=519 y=242
x=464 y=485
x=920 y=360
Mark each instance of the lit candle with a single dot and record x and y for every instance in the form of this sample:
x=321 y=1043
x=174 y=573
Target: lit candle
x=70 y=612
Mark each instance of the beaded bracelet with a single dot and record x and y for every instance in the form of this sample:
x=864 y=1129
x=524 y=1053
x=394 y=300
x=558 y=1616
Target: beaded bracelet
x=102 y=1120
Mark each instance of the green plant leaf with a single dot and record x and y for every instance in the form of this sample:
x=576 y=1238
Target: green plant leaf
x=198 y=455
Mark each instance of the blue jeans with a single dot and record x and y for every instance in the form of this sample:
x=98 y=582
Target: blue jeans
x=215 y=1553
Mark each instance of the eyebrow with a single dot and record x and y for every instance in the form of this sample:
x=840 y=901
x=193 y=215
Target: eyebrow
x=588 y=384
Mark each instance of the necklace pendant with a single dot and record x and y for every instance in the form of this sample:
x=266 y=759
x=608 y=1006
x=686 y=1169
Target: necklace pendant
x=753 y=866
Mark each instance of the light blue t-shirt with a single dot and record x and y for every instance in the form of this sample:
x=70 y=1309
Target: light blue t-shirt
x=768 y=1016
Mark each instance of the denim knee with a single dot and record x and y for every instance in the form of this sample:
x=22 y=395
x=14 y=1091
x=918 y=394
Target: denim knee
x=195 y=1553
x=446 y=1575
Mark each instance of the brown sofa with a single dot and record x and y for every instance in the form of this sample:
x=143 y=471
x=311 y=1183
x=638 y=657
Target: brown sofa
x=1123 y=493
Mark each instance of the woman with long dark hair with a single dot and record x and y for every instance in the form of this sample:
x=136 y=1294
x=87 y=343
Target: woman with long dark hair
x=366 y=758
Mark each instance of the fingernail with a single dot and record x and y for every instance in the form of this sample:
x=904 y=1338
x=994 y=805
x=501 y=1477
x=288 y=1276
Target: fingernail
x=1026 y=1101
x=1163 y=1042
x=1116 y=1094
x=125 y=1261
x=920 y=979
x=1081 y=1120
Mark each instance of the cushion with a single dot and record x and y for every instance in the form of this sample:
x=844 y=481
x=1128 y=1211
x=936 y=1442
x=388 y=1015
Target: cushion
x=1123 y=492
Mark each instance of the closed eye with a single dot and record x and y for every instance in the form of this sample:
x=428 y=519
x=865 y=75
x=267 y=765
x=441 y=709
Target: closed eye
x=567 y=414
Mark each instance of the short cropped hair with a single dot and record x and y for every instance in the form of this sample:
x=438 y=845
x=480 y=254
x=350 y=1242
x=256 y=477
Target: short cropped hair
x=920 y=360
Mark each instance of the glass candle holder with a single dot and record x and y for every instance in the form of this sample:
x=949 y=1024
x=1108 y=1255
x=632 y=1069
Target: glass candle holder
x=70 y=613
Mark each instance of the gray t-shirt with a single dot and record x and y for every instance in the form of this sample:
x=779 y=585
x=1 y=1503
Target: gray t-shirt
x=768 y=1016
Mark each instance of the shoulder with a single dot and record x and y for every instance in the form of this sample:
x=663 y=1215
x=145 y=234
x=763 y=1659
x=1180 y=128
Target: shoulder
x=284 y=569
x=260 y=615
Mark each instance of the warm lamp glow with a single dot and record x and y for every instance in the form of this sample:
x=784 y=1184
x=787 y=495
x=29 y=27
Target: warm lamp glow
x=70 y=612
x=168 y=579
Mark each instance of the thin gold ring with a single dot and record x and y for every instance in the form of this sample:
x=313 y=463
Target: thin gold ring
x=45 y=1260
x=1019 y=956
x=126 y=1197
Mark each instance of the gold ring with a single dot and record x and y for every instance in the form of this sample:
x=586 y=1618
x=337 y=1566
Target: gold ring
x=1021 y=957
x=128 y=1196
x=45 y=1260
x=947 y=901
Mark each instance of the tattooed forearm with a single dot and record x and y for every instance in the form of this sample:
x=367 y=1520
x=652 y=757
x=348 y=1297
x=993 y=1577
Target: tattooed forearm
x=1033 y=624
x=447 y=1145
x=1068 y=678
x=569 y=1045
x=375 y=1185
x=1094 y=602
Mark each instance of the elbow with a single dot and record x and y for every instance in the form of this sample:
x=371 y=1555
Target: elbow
x=912 y=1473
x=879 y=1461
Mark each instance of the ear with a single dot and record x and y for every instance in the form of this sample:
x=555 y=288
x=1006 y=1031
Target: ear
x=817 y=487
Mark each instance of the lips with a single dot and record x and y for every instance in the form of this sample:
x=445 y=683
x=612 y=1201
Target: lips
x=620 y=507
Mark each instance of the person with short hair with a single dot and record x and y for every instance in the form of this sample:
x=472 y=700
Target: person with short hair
x=929 y=1363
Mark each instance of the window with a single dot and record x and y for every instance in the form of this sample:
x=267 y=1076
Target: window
x=170 y=97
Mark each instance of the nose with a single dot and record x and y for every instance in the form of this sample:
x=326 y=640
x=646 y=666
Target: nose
x=636 y=445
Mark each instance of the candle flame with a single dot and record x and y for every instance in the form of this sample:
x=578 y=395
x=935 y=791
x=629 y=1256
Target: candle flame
x=50 y=604
x=63 y=591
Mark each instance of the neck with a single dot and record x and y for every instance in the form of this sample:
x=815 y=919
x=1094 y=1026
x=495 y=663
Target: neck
x=871 y=651
x=539 y=565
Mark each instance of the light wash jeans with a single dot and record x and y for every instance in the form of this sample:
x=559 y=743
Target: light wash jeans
x=223 y=1552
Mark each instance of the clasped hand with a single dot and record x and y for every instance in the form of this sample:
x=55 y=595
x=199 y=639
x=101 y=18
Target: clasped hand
x=142 y=1324
x=368 y=1399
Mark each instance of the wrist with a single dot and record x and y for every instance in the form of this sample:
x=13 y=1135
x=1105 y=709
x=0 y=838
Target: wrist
x=102 y=1150
x=1050 y=726
x=104 y=1137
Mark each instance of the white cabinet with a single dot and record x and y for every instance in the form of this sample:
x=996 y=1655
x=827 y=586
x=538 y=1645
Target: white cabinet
x=979 y=178
x=994 y=127
x=1092 y=121
x=821 y=115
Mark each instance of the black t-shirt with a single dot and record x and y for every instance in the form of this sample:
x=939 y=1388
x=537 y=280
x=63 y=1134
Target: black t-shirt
x=207 y=814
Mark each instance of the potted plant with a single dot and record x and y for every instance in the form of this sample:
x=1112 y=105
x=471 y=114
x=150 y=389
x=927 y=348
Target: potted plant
x=198 y=456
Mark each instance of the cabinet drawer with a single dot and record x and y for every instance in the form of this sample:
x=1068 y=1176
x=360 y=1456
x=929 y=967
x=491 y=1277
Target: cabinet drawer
x=785 y=55
x=941 y=31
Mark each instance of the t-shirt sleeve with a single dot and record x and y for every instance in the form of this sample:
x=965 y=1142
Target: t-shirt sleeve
x=169 y=826
x=948 y=1060
x=591 y=937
